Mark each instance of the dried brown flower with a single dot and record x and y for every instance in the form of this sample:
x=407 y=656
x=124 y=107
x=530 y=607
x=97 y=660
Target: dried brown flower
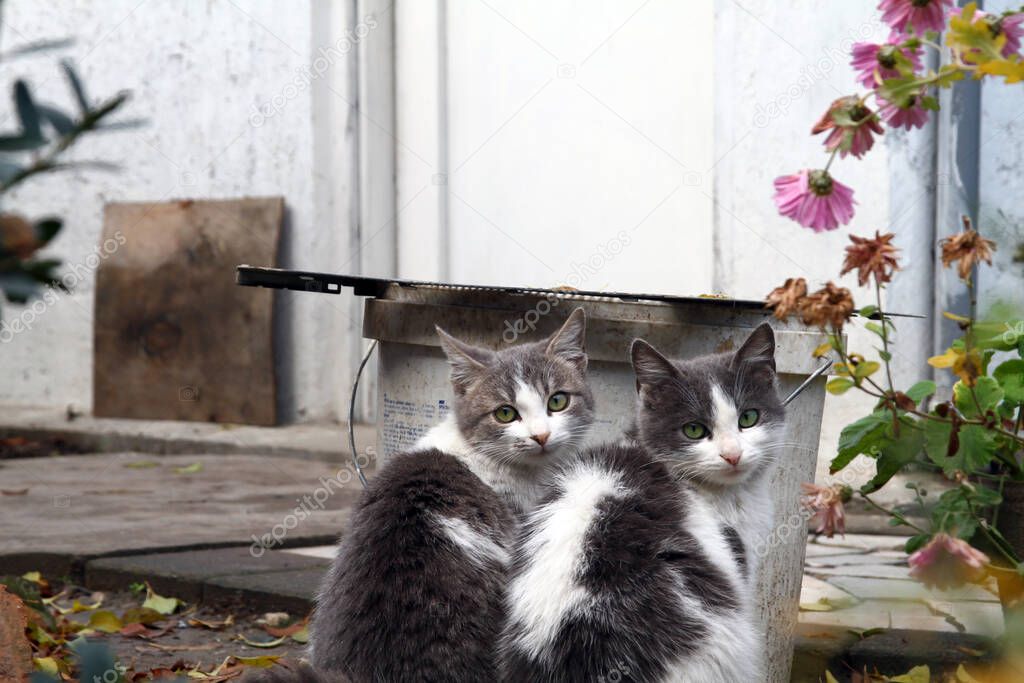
x=17 y=236
x=830 y=305
x=787 y=298
x=826 y=505
x=966 y=249
x=871 y=258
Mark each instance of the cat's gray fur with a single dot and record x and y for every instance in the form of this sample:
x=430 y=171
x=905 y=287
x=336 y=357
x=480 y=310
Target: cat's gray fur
x=637 y=564
x=416 y=591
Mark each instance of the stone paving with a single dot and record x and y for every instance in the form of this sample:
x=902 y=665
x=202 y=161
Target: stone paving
x=186 y=524
x=862 y=582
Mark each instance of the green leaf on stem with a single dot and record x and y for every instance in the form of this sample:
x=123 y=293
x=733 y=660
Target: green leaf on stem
x=861 y=437
x=865 y=369
x=921 y=390
x=1010 y=376
x=987 y=392
x=839 y=385
x=953 y=515
x=915 y=543
x=973 y=446
x=894 y=455
x=1004 y=335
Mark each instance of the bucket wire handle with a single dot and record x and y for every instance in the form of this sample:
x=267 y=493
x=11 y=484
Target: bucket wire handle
x=352 y=411
x=807 y=382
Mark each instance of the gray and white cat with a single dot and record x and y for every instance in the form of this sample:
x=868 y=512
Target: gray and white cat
x=636 y=565
x=416 y=590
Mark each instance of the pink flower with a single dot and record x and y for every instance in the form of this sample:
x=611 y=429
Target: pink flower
x=826 y=502
x=1010 y=26
x=918 y=16
x=853 y=127
x=914 y=116
x=947 y=562
x=877 y=62
x=814 y=200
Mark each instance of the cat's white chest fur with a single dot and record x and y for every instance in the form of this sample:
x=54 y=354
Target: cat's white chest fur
x=748 y=509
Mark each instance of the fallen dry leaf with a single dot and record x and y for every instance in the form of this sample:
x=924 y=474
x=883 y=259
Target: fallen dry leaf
x=159 y=603
x=274 y=619
x=278 y=631
x=13 y=492
x=213 y=625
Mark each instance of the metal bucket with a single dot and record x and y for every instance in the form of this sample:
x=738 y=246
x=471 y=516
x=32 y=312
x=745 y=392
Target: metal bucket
x=413 y=388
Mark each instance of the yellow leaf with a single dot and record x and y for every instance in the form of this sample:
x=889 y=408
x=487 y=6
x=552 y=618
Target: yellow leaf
x=954 y=316
x=829 y=678
x=919 y=674
x=839 y=385
x=46 y=664
x=262 y=644
x=77 y=606
x=34 y=577
x=105 y=621
x=865 y=369
x=1009 y=69
x=946 y=360
x=159 y=603
x=963 y=677
x=190 y=469
x=262 y=661
x=822 y=350
x=141 y=464
x=302 y=635
x=966 y=367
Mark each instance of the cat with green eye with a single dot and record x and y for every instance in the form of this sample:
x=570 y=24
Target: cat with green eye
x=662 y=533
x=695 y=430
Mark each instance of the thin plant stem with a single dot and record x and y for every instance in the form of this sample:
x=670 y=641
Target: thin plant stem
x=892 y=513
x=885 y=334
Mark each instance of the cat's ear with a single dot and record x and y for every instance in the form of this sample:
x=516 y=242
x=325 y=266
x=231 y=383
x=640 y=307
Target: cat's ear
x=650 y=366
x=569 y=343
x=758 y=352
x=466 y=360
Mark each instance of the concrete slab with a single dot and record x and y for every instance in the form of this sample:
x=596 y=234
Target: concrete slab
x=328 y=442
x=846 y=560
x=86 y=506
x=288 y=591
x=874 y=571
x=817 y=550
x=895 y=589
x=863 y=541
x=183 y=574
x=814 y=591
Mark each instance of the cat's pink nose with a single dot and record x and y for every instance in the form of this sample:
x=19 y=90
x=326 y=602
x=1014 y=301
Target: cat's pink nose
x=541 y=438
x=732 y=457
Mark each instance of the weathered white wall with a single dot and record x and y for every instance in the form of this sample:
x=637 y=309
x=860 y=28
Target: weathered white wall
x=574 y=141
x=1001 y=196
x=197 y=70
